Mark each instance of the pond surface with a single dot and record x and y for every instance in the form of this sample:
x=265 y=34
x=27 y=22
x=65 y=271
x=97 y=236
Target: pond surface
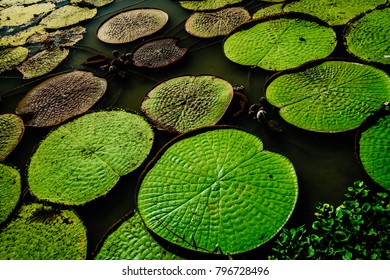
x=326 y=164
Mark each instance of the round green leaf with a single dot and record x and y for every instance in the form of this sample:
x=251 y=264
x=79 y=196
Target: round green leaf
x=368 y=37
x=19 y=15
x=95 y=3
x=83 y=159
x=11 y=131
x=207 y=4
x=269 y=10
x=132 y=241
x=11 y=57
x=20 y=37
x=41 y=232
x=333 y=96
x=217 y=191
x=67 y=15
x=279 y=43
x=59 y=38
x=187 y=102
x=374 y=151
x=10 y=189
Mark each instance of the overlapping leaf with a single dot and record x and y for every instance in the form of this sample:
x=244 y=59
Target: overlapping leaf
x=10 y=189
x=207 y=4
x=11 y=131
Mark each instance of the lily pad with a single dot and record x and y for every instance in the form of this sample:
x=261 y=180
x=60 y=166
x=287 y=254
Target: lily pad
x=132 y=241
x=333 y=96
x=41 y=232
x=11 y=57
x=59 y=38
x=21 y=37
x=61 y=97
x=207 y=4
x=333 y=12
x=19 y=15
x=368 y=37
x=11 y=131
x=217 y=191
x=84 y=159
x=271 y=10
x=42 y=63
x=184 y=103
x=7 y=3
x=131 y=25
x=374 y=151
x=95 y=3
x=280 y=42
x=67 y=15
x=158 y=53
x=219 y=23
x=10 y=190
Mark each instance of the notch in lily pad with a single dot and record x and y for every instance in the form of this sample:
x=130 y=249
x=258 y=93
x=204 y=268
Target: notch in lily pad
x=216 y=190
x=84 y=158
x=10 y=190
x=11 y=132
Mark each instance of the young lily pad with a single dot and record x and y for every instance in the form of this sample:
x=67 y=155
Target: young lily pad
x=219 y=23
x=84 y=159
x=132 y=241
x=10 y=189
x=333 y=12
x=158 y=53
x=42 y=63
x=218 y=191
x=333 y=96
x=41 y=232
x=95 y=3
x=11 y=131
x=207 y=4
x=271 y=10
x=184 y=103
x=131 y=25
x=19 y=15
x=21 y=37
x=67 y=15
x=61 y=97
x=280 y=42
x=11 y=57
x=368 y=37
x=59 y=38
x=374 y=151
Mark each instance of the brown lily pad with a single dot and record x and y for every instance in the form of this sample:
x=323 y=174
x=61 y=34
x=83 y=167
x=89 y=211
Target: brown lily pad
x=11 y=131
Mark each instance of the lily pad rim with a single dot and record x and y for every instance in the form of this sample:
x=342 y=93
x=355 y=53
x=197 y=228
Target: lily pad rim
x=238 y=4
x=23 y=128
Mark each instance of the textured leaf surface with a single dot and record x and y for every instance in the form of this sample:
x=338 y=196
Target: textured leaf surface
x=59 y=38
x=10 y=189
x=11 y=131
x=188 y=102
x=19 y=15
x=218 y=191
x=11 y=57
x=219 y=23
x=374 y=151
x=333 y=12
x=131 y=25
x=270 y=10
x=132 y=241
x=207 y=4
x=331 y=97
x=67 y=15
x=368 y=37
x=83 y=159
x=61 y=97
x=7 y=3
x=40 y=232
x=21 y=37
x=280 y=43
x=96 y=3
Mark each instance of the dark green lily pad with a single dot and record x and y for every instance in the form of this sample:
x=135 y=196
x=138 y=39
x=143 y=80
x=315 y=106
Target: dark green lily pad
x=41 y=232
x=374 y=151
x=11 y=57
x=333 y=12
x=368 y=37
x=10 y=189
x=333 y=96
x=184 y=103
x=280 y=42
x=61 y=97
x=19 y=15
x=59 y=38
x=275 y=9
x=21 y=37
x=219 y=23
x=84 y=159
x=131 y=25
x=207 y=4
x=217 y=191
x=132 y=241
x=11 y=131
x=67 y=15
x=95 y=3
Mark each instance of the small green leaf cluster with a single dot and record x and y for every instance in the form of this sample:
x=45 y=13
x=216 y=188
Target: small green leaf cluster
x=357 y=229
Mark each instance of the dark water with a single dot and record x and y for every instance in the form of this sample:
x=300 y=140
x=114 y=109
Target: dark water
x=326 y=164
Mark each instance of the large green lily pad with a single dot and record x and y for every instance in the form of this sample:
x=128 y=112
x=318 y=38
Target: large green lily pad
x=59 y=38
x=269 y=10
x=217 y=191
x=10 y=189
x=333 y=12
x=207 y=4
x=7 y=3
x=19 y=15
x=11 y=131
x=184 y=103
x=374 y=151
x=84 y=159
x=95 y=3
x=132 y=241
x=333 y=96
x=41 y=232
x=280 y=42
x=11 y=57
x=67 y=15
x=21 y=37
x=219 y=23
x=368 y=37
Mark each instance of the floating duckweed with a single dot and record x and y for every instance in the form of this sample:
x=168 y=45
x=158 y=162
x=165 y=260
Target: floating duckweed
x=10 y=190
x=207 y=4
x=11 y=57
x=67 y=16
x=11 y=131
x=19 y=15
